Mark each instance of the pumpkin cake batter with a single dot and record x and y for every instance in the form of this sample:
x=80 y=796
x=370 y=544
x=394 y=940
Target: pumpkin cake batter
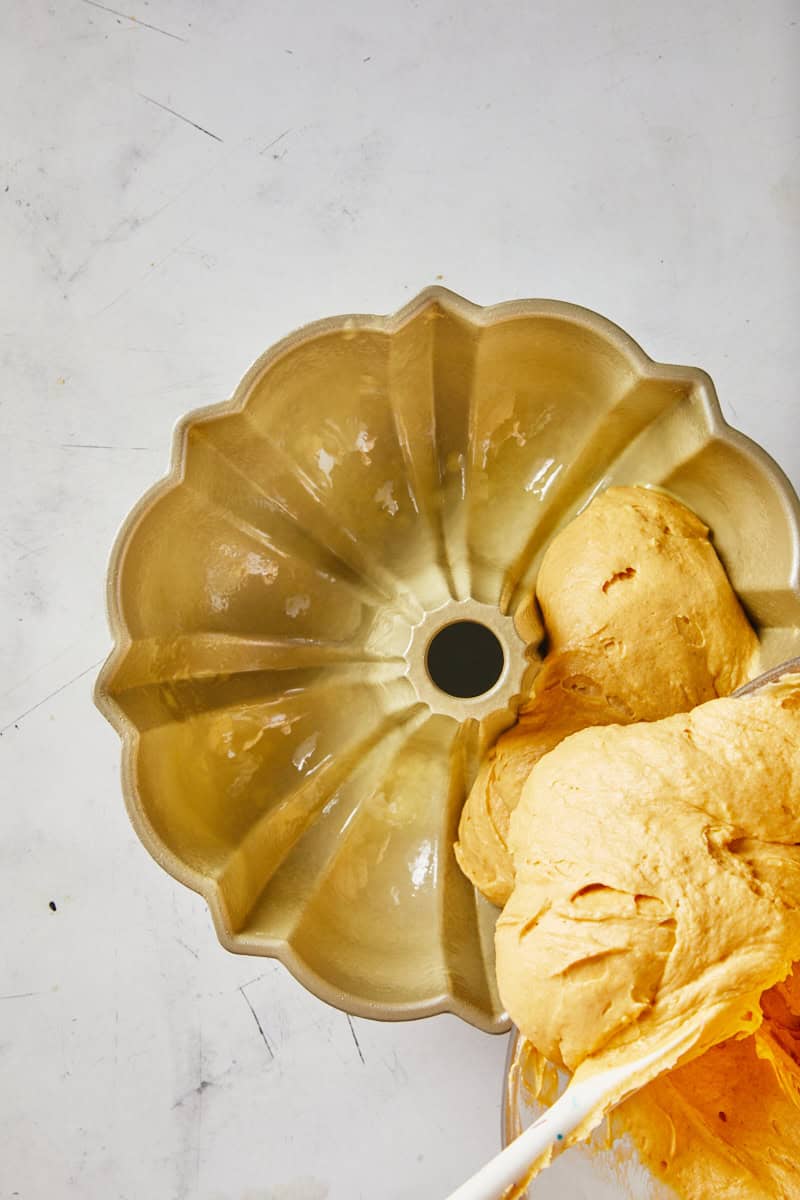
x=657 y=893
x=642 y=623
x=727 y=1124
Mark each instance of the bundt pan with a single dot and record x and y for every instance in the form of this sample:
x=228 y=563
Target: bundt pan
x=298 y=732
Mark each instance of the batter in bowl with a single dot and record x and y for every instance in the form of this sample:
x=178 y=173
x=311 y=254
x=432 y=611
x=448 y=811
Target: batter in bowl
x=727 y=1124
x=657 y=879
x=657 y=892
x=651 y=871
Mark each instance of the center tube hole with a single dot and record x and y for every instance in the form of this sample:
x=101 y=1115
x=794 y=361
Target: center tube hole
x=465 y=659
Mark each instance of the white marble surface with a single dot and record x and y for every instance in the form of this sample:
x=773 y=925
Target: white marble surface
x=641 y=159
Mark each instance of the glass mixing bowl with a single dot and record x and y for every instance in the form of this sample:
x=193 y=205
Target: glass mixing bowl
x=593 y=1170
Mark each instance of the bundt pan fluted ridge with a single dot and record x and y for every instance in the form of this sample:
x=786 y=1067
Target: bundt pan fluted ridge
x=289 y=750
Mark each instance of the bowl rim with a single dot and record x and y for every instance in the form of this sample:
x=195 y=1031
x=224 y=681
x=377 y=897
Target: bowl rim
x=435 y=297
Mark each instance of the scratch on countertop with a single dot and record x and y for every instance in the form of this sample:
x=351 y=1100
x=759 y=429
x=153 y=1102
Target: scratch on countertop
x=50 y=695
x=264 y=1037
x=21 y=995
x=195 y=1091
x=98 y=446
x=188 y=949
x=204 y=1084
x=154 y=267
x=135 y=20
x=250 y=982
x=180 y=116
x=275 y=141
x=396 y=1068
x=355 y=1038
x=131 y=225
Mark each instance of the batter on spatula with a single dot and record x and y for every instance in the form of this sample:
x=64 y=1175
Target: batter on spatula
x=727 y=1125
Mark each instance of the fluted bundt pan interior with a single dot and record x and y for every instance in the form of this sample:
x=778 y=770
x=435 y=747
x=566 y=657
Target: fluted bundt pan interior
x=294 y=605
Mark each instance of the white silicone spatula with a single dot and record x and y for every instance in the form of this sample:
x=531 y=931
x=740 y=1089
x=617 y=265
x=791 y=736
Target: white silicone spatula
x=511 y=1165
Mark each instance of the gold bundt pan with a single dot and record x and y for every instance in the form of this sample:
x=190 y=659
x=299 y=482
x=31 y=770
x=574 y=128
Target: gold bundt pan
x=285 y=752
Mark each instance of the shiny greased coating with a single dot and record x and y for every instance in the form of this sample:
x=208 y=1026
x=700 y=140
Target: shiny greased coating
x=657 y=882
x=642 y=623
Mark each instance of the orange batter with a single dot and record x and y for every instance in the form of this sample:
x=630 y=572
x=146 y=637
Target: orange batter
x=642 y=622
x=724 y=1126
x=651 y=872
x=727 y=1125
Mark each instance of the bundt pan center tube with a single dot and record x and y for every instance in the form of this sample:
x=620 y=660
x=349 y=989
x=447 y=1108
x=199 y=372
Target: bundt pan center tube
x=323 y=617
